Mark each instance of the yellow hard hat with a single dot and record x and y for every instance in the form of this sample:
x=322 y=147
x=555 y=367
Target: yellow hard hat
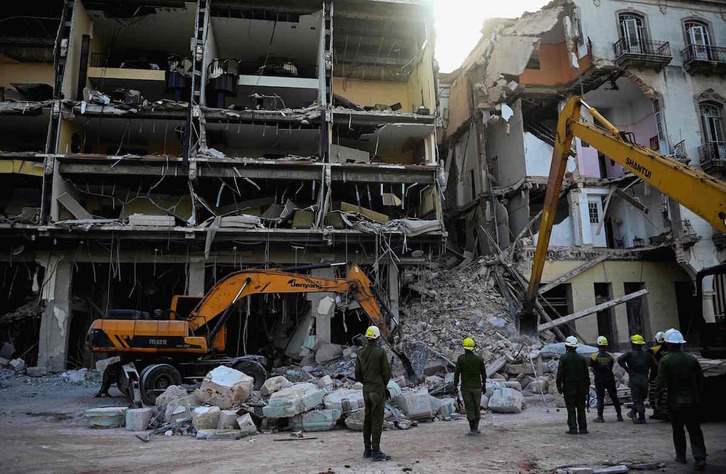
x=637 y=339
x=373 y=332
x=469 y=344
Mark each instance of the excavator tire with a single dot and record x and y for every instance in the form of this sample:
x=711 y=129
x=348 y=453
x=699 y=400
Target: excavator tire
x=252 y=368
x=155 y=379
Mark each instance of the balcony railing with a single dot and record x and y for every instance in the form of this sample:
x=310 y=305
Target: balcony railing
x=642 y=52
x=713 y=156
x=697 y=56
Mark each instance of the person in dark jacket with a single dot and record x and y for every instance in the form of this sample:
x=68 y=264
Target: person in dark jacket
x=638 y=363
x=659 y=351
x=573 y=381
x=602 y=363
x=373 y=370
x=470 y=368
x=680 y=374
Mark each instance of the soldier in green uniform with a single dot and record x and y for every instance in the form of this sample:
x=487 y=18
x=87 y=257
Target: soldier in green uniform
x=680 y=373
x=638 y=364
x=602 y=363
x=659 y=351
x=373 y=370
x=573 y=381
x=470 y=367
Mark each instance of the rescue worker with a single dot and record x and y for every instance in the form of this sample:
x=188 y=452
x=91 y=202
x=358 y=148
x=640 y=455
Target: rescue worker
x=470 y=368
x=602 y=363
x=573 y=381
x=659 y=350
x=638 y=364
x=373 y=370
x=680 y=374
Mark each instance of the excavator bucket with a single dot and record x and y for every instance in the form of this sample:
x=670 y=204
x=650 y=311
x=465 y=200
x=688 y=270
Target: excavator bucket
x=527 y=322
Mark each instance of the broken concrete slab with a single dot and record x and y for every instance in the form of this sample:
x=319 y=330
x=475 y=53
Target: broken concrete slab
x=513 y=384
x=291 y=401
x=74 y=207
x=325 y=351
x=227 y=420
x=344 y=400
x=316 y=420
x=225 y=387
x=246 y=425
x=180 y=408
x=106 y=417
x=138 y=419
x=18 y=365
x=273 y=384
x=219 y=435
x=326 y=383
x=205 y=418
x=506 y=400
x=173 y=392
x=36 y=371
x=393 y=388
x=416 y=404
x=146 y=220
x=447 y=408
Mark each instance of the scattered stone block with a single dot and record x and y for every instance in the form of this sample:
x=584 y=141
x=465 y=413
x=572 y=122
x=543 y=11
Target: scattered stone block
x=416 y=404
x=539 y=385
x=513 y=384
x=225 y=387
x=357 y=386
x=354 y=421
x=345 y=401
x=246 y=425
x=3 y=362
x=36 y=371
x=491 y=386
x=516 y=369
x=205 y=418
x=447 y=408
x=219 y=435
x=138 y=419
x=180 y=408
x=326 y=383
x=484 y=401
x=326 y=352
x=291 y=401
x=227 y=420
x=18 y=365
x=173 y=392
x=506 y=400
x=393 y=388
x=316 y=420
x=350 y=352
x=106 y=417
x=435 y=366
x=273 y=384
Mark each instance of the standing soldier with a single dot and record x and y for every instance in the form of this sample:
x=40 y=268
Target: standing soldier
x=658 y=350
x=680 y=374
x=602 y=363
x=573 y=381
x=638 y=364
x=373 y=371
x=470 y=367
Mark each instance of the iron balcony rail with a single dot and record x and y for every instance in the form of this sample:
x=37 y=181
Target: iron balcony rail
x=645 y=48
x=697 y=52
x=712 y=152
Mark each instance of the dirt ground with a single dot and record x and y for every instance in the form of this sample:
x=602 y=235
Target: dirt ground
x=42 y=430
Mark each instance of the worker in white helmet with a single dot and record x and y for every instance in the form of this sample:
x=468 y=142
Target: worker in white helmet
x=602 y=363
x=680 y=373
x=573 y=381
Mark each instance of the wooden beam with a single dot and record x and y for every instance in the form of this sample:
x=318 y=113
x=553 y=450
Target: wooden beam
x=594 y=309
x=572 y=274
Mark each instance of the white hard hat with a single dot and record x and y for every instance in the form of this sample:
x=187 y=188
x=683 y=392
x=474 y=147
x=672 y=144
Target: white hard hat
x=602 y=341
x=675 y=337
x=373 y=332
x=660 y=337
x=571 y=341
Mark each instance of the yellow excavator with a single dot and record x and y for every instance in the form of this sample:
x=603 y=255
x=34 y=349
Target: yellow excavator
x=187 y=344
x=694 y=189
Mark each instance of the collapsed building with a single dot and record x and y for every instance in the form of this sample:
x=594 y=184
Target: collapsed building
x=151 y=148
x=656 y=71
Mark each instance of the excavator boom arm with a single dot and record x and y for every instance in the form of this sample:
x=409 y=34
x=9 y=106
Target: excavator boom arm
x=692 y=188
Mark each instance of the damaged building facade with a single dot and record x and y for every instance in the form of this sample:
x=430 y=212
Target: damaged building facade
x=654 y=69
x=151 y=148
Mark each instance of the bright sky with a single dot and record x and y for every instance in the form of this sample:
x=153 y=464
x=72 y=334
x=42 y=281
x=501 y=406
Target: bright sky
x=458 y=23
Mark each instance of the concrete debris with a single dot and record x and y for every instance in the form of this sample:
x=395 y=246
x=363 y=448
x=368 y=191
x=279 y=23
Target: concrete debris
x=326 y=383
x=143 y=220
x=106 y=417
x=273 y=384
x=138 y=419
x=3 y=362
x=246 y=425
x=506 y=400
x=180 y=408
x=75 y=376
x=294 y=400
x=225 y=387
x=18 y=365
x=326 y=352
x=173 y=392
x=345 y=401
x=227 y=420
x=416 y=404
x=316 y=420
x=103 y=364
x=205 y=418
x=219 y=435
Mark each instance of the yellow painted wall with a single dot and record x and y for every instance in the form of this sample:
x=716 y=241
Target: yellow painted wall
x=28 y=168
x=370 y=93
x=25 y=72
x=81 y=25
x=659 y=279
x=421 y=86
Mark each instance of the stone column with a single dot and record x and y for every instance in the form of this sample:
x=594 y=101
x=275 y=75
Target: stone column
x=196 y=278
x=323 y=306
x=393 y=292
x=55 y=323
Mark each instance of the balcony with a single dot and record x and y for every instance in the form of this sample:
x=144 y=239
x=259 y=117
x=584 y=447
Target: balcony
x=642 y=53
x=699 y=58
x=713 y=157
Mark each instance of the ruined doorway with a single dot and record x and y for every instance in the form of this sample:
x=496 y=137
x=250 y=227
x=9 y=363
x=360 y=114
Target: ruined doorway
x=560 y=304
x=605 y=319
x=686 y=302
x=636 y=309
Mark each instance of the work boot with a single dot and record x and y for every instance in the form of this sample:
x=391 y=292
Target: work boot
x=638 y=421
x=379 y=456
x=631 y=415
x=472 y=430
x=700 y=465
x=367 y=452
x=571 y=431
x=620 y=416
x=476 y=427
x=681 y=459
x=599 y=419
x=584 y=431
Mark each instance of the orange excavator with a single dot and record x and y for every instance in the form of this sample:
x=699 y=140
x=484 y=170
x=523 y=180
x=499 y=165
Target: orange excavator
x=187 y=346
